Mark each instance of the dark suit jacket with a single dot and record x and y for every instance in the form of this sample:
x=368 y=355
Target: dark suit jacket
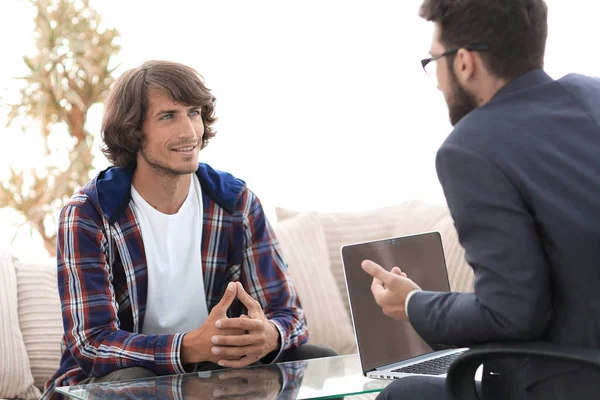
x=521 y=176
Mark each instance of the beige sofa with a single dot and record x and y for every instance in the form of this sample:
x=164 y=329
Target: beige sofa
x=30 y=322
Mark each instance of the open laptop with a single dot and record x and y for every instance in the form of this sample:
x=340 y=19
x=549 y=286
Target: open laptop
x=390 y=349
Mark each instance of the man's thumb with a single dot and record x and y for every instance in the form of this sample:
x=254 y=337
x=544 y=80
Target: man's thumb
x=228 y=297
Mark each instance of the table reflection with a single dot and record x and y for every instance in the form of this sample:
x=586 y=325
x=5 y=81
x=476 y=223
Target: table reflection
x=331 y=377
x=279 y=381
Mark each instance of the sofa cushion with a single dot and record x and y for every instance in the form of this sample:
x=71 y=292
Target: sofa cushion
x=304 y=249
x=16 y=380
x=40 y=316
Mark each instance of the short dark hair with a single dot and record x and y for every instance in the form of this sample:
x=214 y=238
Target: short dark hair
x=127 y=104
x=514 y=30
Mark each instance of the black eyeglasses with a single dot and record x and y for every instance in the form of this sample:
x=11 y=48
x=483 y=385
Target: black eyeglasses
x=429 y=65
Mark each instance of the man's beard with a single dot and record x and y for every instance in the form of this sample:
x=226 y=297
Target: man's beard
x=161 y=168
x=460 y=102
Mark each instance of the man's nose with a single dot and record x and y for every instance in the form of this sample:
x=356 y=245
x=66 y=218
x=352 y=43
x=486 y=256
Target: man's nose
x=187 y=128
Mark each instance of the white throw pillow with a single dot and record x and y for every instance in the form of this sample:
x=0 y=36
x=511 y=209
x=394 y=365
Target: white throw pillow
x=304 y=249
x=15 y=374
x=40 y=316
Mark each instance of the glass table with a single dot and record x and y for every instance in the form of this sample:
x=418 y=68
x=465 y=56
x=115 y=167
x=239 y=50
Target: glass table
x=320 y=378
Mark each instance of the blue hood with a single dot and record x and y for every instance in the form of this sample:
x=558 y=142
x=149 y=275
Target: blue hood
x=111 y=189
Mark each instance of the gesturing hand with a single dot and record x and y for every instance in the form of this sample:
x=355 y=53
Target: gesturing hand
x=390 y=289
x=242 y=350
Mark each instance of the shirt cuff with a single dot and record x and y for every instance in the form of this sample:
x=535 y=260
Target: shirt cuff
x=408 y=296
x=176 y=353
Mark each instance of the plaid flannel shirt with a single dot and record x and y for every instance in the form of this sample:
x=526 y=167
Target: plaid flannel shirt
x=102 y=275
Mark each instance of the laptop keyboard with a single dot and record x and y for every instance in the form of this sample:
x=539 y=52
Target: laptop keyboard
x=436 y=366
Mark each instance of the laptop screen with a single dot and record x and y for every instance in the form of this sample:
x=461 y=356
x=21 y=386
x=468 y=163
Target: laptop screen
x=381 y=339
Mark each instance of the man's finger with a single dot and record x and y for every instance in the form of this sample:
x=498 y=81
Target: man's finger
x=378 y=290
x=233 y=390
x=228 y=297
x=238 y=340
x=247 y=300
x=398 y=271
x=377 y=286
x=246 y=324
x=236 y=374
x=241 y=363
x=377 y=271
x=235 y=352
x=231 y=332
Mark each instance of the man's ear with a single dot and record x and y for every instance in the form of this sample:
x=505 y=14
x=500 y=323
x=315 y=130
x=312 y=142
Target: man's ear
x=464 y=65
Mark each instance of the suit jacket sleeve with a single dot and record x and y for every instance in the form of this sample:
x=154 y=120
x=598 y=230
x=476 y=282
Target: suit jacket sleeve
x=511 y=300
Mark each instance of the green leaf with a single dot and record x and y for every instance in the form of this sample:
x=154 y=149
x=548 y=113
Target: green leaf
x=28 y=63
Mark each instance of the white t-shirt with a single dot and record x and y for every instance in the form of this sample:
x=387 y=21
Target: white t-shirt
x=176 y=300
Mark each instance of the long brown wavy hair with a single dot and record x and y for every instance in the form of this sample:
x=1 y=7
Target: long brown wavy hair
x=127 y=103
